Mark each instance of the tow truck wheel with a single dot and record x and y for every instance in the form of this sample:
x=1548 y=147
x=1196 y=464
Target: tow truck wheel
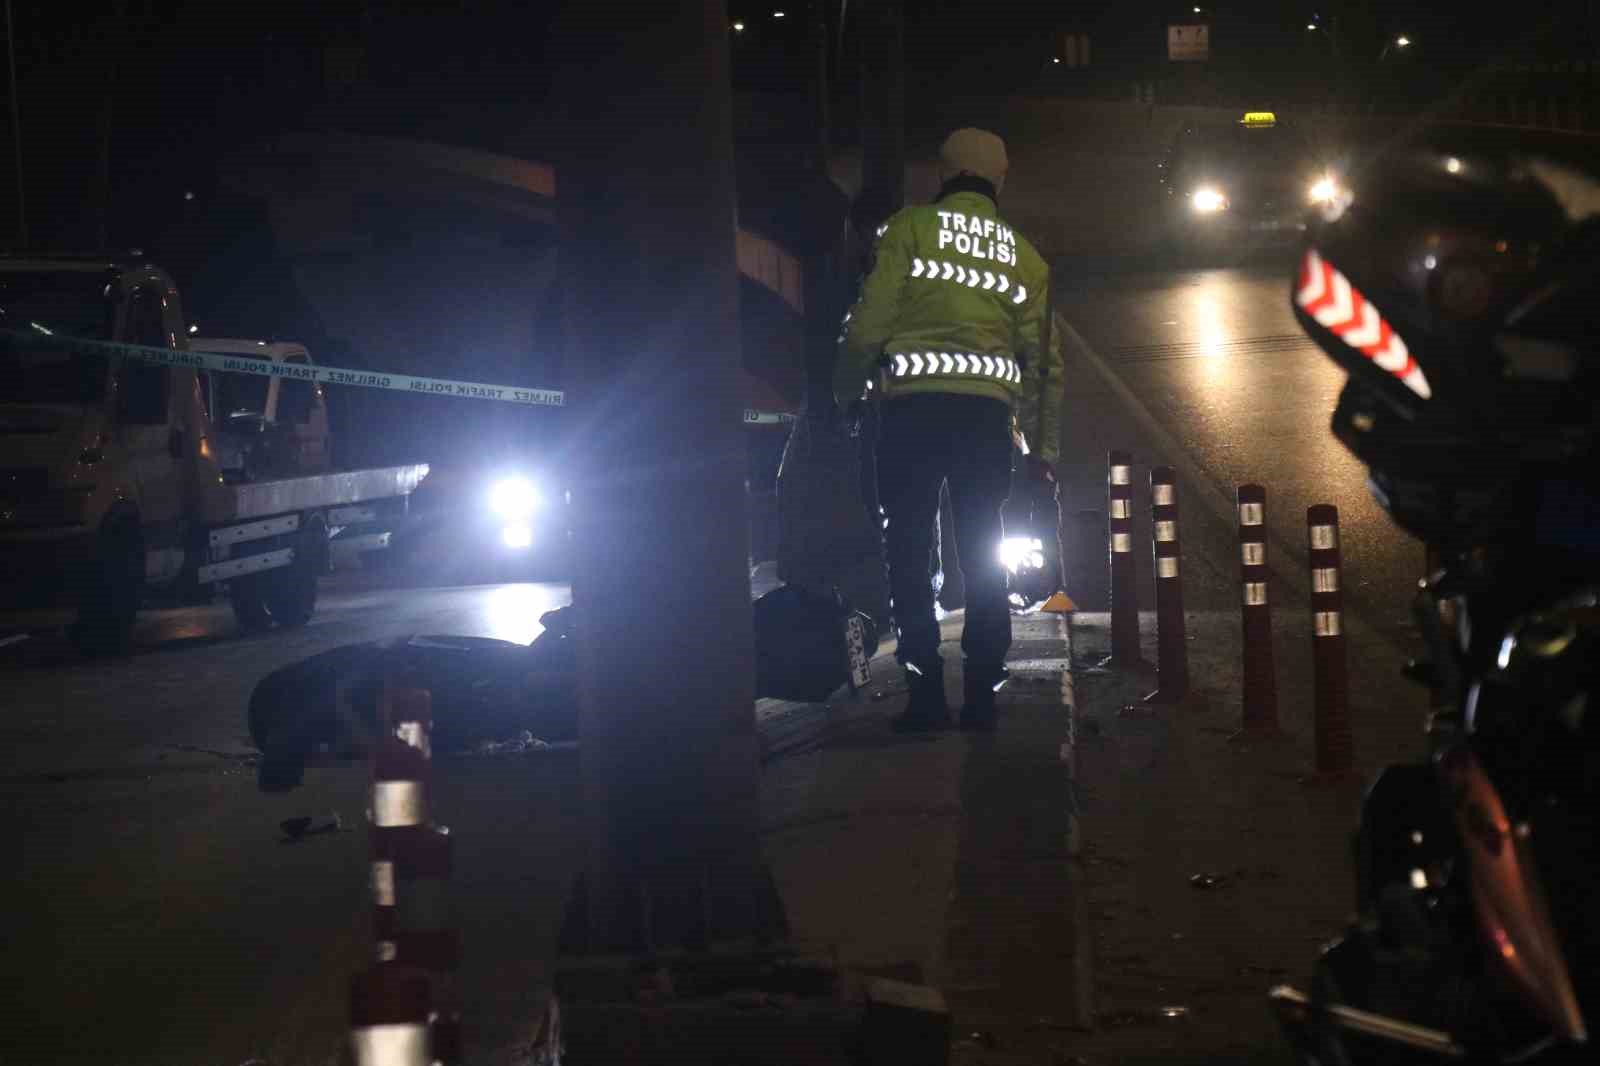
x=249 y=606
x=109 y=597
x=291 y=593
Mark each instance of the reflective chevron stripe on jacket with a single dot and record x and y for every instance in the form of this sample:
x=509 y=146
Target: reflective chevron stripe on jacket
x=952 y=364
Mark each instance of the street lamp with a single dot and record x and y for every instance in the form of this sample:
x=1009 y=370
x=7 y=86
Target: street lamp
x=1402 y=41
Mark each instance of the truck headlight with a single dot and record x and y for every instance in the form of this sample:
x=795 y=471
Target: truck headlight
x=1208 y=200
x=514 y=497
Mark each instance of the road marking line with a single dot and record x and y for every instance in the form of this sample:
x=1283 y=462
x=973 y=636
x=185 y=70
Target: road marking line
x=1082 y=1006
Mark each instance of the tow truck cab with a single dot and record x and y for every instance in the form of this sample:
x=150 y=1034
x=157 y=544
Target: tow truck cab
x=111 y=480
x=92 y=446
x=266 y=426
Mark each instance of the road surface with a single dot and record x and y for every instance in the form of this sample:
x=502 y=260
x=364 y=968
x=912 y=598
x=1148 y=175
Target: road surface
x=159 y=917
x=1206 y=369
x=158 y=914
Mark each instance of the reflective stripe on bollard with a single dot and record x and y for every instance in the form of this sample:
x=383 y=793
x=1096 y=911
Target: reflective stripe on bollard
x=1172 y=656
x=412 y=859
x=1330 y=671
x=1260 y=672
x=389 y=1009
x=1124 y=563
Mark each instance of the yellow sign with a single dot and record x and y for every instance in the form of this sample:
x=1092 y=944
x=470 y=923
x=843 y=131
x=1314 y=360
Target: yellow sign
x=1258 y=119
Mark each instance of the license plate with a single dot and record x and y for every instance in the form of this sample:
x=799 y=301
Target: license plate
x=855 y=643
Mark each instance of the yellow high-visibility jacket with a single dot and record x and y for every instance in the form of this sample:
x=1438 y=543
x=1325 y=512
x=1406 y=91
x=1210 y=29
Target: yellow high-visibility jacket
x=956 y=303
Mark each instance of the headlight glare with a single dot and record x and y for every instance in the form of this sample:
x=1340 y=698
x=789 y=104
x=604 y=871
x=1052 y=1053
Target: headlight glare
x=1019 y=552
x=1208 y=200
x=1324 y=190
x=514 y=497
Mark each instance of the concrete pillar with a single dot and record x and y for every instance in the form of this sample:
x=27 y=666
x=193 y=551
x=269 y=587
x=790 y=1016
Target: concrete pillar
x=665 y=646
x=883 y=106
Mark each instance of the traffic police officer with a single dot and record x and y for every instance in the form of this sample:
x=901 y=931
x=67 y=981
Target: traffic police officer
x=949 y=328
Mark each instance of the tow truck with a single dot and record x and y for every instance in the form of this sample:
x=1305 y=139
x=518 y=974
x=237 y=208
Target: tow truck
x=112 y=481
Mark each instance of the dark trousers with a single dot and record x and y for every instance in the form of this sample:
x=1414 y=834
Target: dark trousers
x=925 y=441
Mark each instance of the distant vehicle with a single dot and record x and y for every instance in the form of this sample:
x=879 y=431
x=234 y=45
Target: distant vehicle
x=110 y=479
x=1242 y=184
x=266 y=426
x=504 y=518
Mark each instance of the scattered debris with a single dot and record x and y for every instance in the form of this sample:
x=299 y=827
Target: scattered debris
x=1136 y=710
x=308 y=826
x=984 y=1039
x=1208 y=880
x=878 y=695
x=240 y=758
x=518 y=745
x=1174 y=1013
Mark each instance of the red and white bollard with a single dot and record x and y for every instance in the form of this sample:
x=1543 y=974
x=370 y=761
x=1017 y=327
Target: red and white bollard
x=1124 y=563
x=1329 y=669
x=1172 y=655
x=1260 y=672
x=389 y=1009
x=411 y=864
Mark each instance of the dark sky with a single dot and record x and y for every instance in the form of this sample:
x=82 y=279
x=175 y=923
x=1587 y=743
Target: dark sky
x=185 y=79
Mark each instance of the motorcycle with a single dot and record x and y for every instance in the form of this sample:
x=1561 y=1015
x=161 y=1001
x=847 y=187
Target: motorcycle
x=1476 y=939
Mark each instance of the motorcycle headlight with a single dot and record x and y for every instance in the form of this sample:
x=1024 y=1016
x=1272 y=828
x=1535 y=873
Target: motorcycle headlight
x=1208 y=200
x=514 y=497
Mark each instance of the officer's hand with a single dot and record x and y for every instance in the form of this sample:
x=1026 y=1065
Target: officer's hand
x=1040 y=470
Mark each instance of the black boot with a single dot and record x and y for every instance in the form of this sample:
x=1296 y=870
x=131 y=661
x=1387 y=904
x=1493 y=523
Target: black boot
x=926 y=711
x=977 y=707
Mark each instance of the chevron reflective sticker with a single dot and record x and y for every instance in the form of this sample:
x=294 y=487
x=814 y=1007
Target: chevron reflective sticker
x=924 y=364
x=973 y=278
x=1338 y=306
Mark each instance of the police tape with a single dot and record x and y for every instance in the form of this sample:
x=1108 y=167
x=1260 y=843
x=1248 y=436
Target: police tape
x=328 y=375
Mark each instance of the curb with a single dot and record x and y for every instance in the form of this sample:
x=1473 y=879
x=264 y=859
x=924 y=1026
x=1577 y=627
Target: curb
x=1082 y=942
